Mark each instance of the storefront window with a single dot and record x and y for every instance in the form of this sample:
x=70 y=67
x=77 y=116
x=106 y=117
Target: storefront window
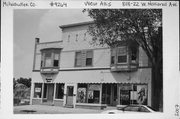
x=94 y=93
x=133 y=94
x=37 y=90
x=88 y=93
x=59 y=91
x=45 y=91
x=81 y=93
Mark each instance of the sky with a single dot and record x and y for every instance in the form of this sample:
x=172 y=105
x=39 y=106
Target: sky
x=41 y=23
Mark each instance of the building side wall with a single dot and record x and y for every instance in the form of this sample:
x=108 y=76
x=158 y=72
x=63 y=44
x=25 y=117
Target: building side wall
x=37 y=61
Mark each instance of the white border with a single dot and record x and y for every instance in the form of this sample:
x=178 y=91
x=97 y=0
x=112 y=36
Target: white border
x=171 y=72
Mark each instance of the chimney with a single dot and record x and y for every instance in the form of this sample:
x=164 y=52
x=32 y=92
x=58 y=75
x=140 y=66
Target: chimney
x=37 y=40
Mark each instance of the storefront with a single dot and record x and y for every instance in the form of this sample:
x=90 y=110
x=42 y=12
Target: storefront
x=93 y=89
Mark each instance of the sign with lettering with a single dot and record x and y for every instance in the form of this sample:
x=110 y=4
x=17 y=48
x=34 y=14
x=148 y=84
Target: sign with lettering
x=48 y=80
x=38 y=90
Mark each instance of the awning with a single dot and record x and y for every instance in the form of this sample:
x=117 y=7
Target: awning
x=98 y=76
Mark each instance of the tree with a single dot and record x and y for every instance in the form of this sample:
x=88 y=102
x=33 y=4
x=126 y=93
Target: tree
x=143 y=26
x=25 y=81
x=21 y=89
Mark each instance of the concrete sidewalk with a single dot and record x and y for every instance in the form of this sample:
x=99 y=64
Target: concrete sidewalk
x=45 y=109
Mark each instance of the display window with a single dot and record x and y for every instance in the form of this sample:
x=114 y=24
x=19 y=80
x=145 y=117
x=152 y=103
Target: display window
x=133 y=94
x=81 y=93
x=88 y=93
x=37 y=90
x=59 y=91
x=94 y=93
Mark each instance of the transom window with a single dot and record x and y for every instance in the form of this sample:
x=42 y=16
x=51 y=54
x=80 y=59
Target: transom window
x=83 y=58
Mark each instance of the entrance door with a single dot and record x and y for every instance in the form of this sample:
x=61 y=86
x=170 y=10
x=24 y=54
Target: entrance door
x=50 y=93
x=69 y=98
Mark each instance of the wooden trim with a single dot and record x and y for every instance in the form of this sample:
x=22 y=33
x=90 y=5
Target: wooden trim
x=85 y=49
x=49 y=42
x=76 y=24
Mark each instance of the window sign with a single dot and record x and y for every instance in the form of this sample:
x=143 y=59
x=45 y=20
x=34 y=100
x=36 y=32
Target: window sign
x=142 y=94
x=81 y=95
x=38 y=90
x=90 y=94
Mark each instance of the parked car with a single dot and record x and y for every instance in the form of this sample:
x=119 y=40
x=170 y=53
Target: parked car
x=130 y=109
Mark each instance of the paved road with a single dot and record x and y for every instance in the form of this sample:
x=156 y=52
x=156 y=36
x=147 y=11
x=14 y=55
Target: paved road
x=45 y=109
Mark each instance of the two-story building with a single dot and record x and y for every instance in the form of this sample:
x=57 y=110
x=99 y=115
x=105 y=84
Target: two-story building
x=73 y=72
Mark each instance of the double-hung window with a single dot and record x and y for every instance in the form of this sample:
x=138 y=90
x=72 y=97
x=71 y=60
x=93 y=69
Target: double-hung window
x=56 y=60
x=83 y=58
x=47 y=59
x=122 y=54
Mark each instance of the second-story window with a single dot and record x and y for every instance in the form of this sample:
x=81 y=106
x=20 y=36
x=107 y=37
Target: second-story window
x=47 y=59
x=89 y=56
x=122 y=54
x=50 y=58
x=83 y=58
x=56 y=60
x=113 y=55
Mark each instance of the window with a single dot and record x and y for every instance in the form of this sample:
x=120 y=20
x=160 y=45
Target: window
x=81 y=93
x=59 y=91
x=88 y=93
x=113 y=55
x=50 y=58
x=133 y=53
x=124 y=54
x=45 y=91
x=89 y=58
x=37 y=90
x=83 y=58
x=143 y=109
x=70 y=90
x=56 y=60
x=121 y=55
x=132 y=108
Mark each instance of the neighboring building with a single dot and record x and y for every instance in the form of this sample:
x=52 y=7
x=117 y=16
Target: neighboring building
x=75 y=73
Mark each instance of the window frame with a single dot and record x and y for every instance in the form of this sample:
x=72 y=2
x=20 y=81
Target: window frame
x=39 y=92
x=61 y=84
x=52 y=53
x=125 y=54
x=83 y=58
x=128 y=54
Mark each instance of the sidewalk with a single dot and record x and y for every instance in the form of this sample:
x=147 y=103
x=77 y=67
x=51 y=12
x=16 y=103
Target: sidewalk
x=45 y=109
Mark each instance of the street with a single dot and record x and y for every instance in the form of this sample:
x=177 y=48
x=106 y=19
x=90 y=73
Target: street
x=45 y=109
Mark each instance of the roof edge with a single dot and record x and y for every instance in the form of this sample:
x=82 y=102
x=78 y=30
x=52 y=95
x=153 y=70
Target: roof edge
x=76 y=24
